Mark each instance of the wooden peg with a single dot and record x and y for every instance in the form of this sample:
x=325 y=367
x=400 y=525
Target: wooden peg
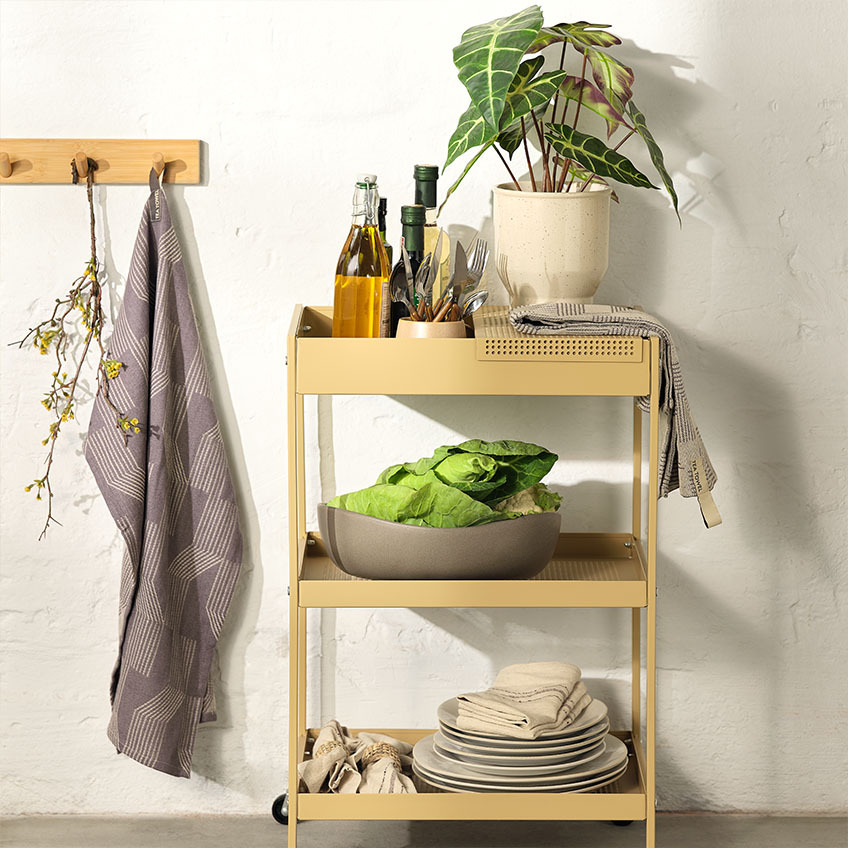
x=82 y=163
x=5 y=165
x=158 y=164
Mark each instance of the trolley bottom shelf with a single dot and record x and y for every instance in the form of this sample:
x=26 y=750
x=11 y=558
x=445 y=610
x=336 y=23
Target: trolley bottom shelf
x=623 y=800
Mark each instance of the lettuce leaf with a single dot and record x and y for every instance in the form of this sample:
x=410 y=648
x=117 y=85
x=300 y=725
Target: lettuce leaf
x=459 y=485
x=431 y=503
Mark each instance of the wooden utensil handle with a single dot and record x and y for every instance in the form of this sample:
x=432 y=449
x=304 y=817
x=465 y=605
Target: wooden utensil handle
x=443 y=311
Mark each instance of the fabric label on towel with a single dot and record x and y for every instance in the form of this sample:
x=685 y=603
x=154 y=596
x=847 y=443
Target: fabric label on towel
x=157 y=211
x=709 y=511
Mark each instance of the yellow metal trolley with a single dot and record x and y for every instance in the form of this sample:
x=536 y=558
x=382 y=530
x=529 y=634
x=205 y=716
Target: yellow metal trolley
x=588 y=569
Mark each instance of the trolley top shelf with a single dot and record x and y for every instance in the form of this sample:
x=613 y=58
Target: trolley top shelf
x=497 y=362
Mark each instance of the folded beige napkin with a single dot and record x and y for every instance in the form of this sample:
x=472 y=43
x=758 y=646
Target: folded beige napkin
x=331 y=767
x=382 y=760
x=526 y=701
x=338 y=757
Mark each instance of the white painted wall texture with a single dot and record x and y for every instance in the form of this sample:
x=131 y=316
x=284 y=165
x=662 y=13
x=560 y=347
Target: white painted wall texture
x=292 y=101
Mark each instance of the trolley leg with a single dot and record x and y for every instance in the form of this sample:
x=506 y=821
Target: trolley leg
x=636 y=613
x=651 y=612
x=297 y=530
x=294 y=736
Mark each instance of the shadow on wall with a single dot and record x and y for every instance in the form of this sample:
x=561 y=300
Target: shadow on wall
x=227 y=674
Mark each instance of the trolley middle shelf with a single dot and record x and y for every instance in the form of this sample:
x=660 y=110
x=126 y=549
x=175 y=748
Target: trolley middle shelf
x=587 y=570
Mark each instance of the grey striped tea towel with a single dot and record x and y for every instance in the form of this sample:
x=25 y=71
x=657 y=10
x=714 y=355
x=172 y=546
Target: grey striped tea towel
x=683 y=460
x=169 y=490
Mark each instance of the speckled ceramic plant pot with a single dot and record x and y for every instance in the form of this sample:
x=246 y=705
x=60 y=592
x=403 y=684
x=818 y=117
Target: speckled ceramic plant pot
x=556 y=243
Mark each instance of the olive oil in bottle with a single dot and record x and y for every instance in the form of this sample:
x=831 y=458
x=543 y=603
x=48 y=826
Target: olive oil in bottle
x=361 y=303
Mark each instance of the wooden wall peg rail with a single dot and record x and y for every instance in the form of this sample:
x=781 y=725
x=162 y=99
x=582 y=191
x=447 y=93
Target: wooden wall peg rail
x=120 y=161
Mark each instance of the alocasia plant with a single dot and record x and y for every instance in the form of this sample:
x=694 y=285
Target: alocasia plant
x=511 y=98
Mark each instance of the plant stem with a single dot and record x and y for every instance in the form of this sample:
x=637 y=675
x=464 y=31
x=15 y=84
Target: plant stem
x=547 y=184
x=579 y=104
x=527 y=155
x=624 y=139
x=506 y=165
x=565 y=166
x=553 y=112
x=580 y=95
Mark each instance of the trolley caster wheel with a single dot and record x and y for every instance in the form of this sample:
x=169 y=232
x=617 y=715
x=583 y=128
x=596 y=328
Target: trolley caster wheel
x=619 y=823
x=280 y=809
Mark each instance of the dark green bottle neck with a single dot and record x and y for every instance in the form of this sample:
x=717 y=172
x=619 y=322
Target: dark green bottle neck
x=425 y=193
x=413 y=237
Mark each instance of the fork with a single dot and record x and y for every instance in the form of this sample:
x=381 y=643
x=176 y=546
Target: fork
x=504 y=275
x=479 y=258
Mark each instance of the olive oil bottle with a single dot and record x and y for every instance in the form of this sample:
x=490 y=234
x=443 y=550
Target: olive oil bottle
x=361 y=302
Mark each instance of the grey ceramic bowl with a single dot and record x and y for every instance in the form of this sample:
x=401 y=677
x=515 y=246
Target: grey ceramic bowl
x=385 y=550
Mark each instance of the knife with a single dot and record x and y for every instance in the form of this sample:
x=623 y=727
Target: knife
x=407 y=269
x=435 y=262
x=460 y=271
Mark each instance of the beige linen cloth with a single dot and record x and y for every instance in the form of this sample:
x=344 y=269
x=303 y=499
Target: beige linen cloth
x=683 y=460
x=337 y=758
x=526 y=701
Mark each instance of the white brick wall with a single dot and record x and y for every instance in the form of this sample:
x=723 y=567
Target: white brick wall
x=293 y=100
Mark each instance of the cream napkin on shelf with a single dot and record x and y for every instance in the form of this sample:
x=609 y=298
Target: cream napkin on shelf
x=526 y=701
x=382 y=760
x=338 y=757
x=331 y=767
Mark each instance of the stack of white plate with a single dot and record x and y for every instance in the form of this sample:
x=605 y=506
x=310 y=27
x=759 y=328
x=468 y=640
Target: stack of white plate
x=582 y=757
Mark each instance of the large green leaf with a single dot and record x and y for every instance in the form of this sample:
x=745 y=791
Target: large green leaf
x=488 y=57
x=594 y=155
x=471 y=131
x=465 y=170
x=641 y=126
x=528 y=93
x=613 y=79
x=579 y=33
x=593 y=100
x=509 y=140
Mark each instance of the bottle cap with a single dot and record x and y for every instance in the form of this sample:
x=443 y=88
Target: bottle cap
x=426 y=173
x=413 y=215
x=367 y=179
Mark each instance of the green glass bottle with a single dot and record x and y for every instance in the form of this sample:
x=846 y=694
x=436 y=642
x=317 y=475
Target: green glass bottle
x=412 y=219
x=426 y=180
x=381 y=227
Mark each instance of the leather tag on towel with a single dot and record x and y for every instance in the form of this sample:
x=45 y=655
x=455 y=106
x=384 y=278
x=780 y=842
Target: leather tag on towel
x=709 y=511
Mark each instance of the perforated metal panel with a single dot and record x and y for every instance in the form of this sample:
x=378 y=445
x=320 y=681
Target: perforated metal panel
x=497 y=339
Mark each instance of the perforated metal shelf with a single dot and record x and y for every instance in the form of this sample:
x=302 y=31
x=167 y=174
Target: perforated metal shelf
x=587 y=570
x=498 y=340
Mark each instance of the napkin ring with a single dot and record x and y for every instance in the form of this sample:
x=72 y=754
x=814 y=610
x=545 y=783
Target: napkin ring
x=378 y=751
x=327 y=747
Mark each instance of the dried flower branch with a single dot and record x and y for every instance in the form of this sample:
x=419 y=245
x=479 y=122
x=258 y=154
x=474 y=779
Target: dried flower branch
x=79 y=314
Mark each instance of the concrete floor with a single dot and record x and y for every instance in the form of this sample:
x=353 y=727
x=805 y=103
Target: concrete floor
x=673 y=831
